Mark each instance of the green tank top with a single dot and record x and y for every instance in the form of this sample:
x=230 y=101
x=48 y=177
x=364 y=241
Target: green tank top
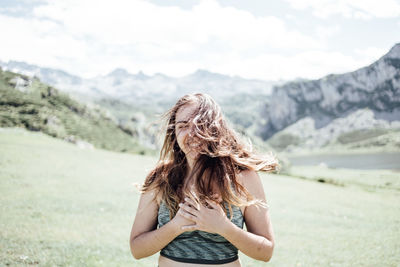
x=199 y=246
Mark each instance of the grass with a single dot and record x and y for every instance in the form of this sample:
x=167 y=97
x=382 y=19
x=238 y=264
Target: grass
x=369 y=180
x=65 y=206
x=39 y=107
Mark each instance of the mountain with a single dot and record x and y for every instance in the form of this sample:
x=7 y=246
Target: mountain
x=358 y=130
x=131 y=88
x=336 y=109
x=128 y=95
x=55 y=77
x=28 y=103
x=363 y=99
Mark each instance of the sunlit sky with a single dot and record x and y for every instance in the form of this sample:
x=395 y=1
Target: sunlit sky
x=260 y=39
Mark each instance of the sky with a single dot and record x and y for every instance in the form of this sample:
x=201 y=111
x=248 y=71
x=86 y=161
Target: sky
x=254 y=39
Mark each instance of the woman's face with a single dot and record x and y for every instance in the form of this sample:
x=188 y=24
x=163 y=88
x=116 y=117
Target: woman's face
x=182 y=128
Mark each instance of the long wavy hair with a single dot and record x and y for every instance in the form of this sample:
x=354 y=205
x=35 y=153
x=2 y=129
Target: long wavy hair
x=222 y=155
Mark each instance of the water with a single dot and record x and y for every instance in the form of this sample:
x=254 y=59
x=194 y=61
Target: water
x=388 y=161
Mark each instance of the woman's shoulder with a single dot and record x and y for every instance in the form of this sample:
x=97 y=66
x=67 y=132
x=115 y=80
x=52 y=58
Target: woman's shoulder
x=251 y=181
x=153 y=181
x=247 y=176
x=152 y=195
x=156 y=171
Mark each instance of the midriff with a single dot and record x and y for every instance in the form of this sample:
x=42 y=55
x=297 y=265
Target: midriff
x=165 y=262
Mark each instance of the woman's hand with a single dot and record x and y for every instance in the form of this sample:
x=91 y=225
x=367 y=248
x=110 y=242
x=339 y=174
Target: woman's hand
x=180 y=220
x=210 y=219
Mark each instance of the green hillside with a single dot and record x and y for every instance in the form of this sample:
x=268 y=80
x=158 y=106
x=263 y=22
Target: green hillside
x=28 y=103
x=65 y=206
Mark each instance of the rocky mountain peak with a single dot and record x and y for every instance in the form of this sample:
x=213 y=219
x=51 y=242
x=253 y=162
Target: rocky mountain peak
x=394 y=52
x=376 y=86
x=118 y=72
x=205 y=74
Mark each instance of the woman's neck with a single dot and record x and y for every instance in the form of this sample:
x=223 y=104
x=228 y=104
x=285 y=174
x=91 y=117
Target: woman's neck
x=191 y=161
x=190 y=164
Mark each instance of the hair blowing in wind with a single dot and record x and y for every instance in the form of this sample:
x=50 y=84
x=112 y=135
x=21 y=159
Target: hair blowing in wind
x=221 y=156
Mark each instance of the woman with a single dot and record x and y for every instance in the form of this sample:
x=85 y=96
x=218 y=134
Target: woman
x=203 y=189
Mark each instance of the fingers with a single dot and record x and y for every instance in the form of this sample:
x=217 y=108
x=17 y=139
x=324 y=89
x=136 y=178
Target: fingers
x=191 y=202
x=187 y=215
x=217 y=198
x=212 y=203
x=189 y=209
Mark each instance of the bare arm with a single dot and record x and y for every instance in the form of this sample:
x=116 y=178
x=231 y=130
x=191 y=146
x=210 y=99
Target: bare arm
x=257 y=242
x=254 y=246
x=145 y=238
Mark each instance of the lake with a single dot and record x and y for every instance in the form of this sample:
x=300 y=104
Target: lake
x=389 y=161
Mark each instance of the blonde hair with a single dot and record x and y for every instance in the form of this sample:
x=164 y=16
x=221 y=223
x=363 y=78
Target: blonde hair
x=222 y=155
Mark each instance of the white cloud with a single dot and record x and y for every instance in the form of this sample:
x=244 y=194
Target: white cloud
x=359 y=9
x=327 y=32
x=122 y=22
x=37 y=40
x=138 y=35
x=310 y=64
x=93 y=37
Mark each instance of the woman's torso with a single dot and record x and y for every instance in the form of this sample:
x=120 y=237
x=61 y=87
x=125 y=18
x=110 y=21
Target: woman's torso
x=212 y=242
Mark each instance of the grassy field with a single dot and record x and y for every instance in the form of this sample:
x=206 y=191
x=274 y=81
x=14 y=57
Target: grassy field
x=36 y=106
x=65 y=206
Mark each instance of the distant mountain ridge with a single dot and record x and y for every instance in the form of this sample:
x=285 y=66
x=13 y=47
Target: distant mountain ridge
x=121 y=84
x=376 y=87
x=298 y=114
x=130 y=96
x=28 y=103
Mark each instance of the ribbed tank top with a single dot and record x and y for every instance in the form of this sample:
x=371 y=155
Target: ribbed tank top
x=199 y=246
